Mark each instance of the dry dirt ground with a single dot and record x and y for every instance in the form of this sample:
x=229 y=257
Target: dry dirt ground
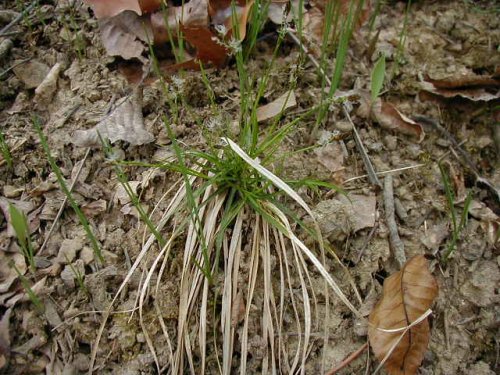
x=443 y=39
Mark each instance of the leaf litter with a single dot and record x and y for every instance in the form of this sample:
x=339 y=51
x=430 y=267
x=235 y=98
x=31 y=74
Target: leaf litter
x=438 y=45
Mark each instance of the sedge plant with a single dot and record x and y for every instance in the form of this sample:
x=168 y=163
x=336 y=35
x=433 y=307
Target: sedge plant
x=228 y=205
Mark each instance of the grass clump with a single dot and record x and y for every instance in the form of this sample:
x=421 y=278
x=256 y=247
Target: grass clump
x=228 y=205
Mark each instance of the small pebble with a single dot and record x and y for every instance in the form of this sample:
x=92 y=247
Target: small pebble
x=10 y=191
x=87 y=255
x=67 y=251
x=81 y=362
x=5 y=47
x=343 y=126
x=391 y=142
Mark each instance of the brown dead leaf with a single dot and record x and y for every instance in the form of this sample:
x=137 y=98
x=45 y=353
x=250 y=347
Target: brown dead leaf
x=94 y=208
x=468 y=86
x=208 y=46
x=389 y=117
x=103 y=8
x=407 y=295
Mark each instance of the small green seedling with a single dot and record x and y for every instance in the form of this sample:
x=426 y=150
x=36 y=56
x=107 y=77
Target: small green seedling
x=26 y=285
x=21 y=228
x=79 y=276
x=4 y=149
x=456 y=226
x=378 y=76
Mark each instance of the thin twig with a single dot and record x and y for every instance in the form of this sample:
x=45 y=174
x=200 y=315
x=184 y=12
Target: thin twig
x=367 y=241
x=348 y=360
x=372 y=175
x=18 y=18
x=392 y=171
x=396 y=243
x=446 y=329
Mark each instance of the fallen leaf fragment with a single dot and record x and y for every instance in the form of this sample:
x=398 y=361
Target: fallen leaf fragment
x=107 y=8
x=468 y=86
x=45 y=91
x=208 y=47
x=121 y=196
x=125 y=34
x=389 y=117
x=4 y=339
x=270 y=110
x=221 y=13
x=31 y=73
x=125 y=123
x=407 y=296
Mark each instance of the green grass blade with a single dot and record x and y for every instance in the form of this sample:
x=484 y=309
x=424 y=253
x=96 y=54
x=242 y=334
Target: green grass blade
x=378 y=76
x=66 y=191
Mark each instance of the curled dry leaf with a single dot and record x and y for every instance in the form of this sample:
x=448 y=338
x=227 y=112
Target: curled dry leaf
x=389 y=117
x=125 y=34
x=468 y=86
x=125 y=123
x=106 y=8
x=406 y=297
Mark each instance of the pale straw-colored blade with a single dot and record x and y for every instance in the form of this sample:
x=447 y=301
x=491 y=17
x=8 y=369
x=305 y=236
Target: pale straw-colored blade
x=252 y=275
x=310 y=255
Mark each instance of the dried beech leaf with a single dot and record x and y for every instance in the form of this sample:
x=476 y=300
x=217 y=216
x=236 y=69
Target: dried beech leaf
x=206 y=43
x=390 y=118
x=469 y=86
x=221 y=13
x=125 y=34
x=106 y=8
x=407 y=295
x=125 y=123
